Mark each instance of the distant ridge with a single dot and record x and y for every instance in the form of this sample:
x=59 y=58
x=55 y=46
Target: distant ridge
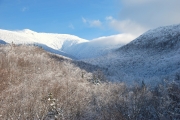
x=153 y=56
x=65 y=44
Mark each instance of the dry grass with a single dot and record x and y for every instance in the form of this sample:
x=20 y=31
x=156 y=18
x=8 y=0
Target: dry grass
x=28 y=74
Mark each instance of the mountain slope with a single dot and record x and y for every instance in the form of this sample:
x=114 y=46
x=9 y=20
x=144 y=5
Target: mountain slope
x=64 y=44
x=37 y=85
x=2 y=42
x=153 y=56
x=50 y=42
x=17 y=62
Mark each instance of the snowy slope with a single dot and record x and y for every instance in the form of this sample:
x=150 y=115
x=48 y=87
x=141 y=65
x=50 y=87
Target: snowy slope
x=50 y=42
x=99 y=46
x=153 y=56
x=67 y=45
x=2 y=42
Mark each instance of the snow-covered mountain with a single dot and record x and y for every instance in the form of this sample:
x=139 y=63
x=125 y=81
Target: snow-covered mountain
x=50 y=42
x=153 y=56
x=64 y=44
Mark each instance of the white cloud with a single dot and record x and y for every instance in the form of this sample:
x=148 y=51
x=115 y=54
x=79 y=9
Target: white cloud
x=24 y=9
x=84 y=20
x=129 y=31
x=125 y=26
x=137 y=16
x=71 y=26
x=92 y=23
x=109 y=18
x=120 y=39
x=95 y=23
x=151 y=13
x=136 y=2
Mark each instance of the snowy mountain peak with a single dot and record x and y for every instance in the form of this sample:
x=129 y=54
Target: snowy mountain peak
x=163 y=32
x=70 y=45
x=153 y=56
x=156 y=39
x=28 y=31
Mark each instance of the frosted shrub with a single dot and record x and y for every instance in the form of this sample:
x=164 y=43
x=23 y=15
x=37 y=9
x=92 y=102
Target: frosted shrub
x=53 y=113
x=28 y=73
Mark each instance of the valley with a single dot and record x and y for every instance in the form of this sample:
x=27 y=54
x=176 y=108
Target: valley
x=57 y=76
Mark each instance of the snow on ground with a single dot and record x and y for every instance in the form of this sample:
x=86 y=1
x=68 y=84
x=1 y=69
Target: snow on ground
x=50 y=42
x=153 y=56
x=2 y=42
x=68 y=45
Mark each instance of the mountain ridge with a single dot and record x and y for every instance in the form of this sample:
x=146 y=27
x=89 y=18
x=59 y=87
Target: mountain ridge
x=71 y=45
x=152 y=57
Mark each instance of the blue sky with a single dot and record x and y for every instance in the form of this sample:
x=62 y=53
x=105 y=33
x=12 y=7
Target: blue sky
x=88 y=19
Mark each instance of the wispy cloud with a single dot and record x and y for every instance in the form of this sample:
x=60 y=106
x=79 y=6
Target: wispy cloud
x=95 y=23
x=125 y=26
x=137 y=2
x=24 y=9
x=71 y=26
x=112 y=40
x=137 y=16
x=84 y=20
x=151 y=13
x=92 y=23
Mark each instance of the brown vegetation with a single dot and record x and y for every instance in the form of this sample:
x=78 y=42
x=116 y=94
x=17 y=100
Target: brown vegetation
x=36 y=85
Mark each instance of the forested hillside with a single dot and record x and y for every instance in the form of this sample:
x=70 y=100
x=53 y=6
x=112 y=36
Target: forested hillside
x=35 y=85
